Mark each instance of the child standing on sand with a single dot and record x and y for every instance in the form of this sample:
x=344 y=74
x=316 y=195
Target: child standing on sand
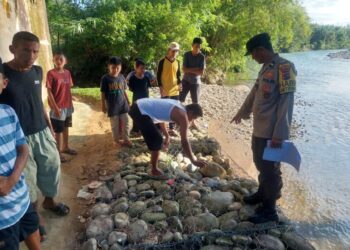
x=139 y=84
x=58 y=84
x=115 y=101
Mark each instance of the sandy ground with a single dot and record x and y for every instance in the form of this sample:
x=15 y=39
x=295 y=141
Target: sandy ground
x=91 y=137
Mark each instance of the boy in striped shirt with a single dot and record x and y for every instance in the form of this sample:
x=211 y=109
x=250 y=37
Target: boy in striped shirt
x=18 y=219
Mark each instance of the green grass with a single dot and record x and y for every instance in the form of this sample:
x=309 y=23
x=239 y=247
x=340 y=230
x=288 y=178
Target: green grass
x=92 y=93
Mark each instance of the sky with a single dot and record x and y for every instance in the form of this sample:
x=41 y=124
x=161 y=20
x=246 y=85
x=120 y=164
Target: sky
x=328 y=11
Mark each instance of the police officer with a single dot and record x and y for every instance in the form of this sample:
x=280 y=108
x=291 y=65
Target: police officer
x=271 y=101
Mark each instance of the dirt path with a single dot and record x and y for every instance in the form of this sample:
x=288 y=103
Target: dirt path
x=91 y=137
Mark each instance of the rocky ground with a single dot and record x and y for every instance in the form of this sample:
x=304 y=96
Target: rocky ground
x=344 y=54
x=195 y=209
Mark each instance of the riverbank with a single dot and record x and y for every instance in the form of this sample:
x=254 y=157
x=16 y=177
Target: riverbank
x=163 y=214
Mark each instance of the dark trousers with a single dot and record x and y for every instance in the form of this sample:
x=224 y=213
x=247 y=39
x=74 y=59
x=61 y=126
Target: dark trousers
x=176 y=97
x=270 y=175
x=194 y=90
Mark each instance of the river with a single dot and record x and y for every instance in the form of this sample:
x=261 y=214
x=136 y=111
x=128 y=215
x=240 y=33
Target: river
x=318 y=197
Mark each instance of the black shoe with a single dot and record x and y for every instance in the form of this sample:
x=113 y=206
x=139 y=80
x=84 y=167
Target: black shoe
x=264 y=217
x=252 y=199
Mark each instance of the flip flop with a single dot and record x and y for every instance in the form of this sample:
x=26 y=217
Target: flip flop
x=42 y=232
x=70 y=152
x=63 y=159
x=60 y=209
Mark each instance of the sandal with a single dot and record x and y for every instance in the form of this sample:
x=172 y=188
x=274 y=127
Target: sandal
x=70 y=152
x=63 y=159
x=42 y=232
x=60 y=209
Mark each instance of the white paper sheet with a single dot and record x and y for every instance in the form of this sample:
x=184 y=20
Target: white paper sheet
x=288 y=153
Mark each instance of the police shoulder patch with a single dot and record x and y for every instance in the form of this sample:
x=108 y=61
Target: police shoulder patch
x=287 y=75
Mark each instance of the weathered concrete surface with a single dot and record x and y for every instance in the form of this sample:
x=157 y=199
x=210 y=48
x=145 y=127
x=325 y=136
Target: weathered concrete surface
x=29 y=15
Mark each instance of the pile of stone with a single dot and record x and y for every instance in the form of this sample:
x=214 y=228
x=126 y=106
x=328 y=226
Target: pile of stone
x=195 y=209
x=344 y=54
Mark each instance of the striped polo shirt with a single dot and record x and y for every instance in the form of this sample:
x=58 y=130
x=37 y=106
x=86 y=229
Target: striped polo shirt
x=14 y=205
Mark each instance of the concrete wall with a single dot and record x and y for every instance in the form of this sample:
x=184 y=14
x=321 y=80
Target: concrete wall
x=29 y=15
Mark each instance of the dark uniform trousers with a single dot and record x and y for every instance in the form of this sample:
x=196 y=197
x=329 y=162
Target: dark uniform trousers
x=270 y=179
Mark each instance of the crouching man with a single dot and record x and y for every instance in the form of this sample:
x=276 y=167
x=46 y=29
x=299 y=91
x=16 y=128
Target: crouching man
x=149 y=112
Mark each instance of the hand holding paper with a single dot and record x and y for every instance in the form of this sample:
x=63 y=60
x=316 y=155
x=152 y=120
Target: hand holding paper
x=288 y=153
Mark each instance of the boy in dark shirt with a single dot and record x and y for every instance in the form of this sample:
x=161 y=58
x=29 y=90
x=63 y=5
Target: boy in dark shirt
x=115 y=101
x=138 y=85
x=23 y=94
x=58 y=83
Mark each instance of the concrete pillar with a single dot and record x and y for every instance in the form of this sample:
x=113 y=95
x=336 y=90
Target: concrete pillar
x=29 y=15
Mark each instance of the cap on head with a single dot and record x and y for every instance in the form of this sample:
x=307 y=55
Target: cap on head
x=139 y=63
x=260 y=40
x=174 y=46
x=24 y=36
x=115 y=60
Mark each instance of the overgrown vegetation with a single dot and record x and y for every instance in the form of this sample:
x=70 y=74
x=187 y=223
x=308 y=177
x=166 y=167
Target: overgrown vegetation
x=89 y=31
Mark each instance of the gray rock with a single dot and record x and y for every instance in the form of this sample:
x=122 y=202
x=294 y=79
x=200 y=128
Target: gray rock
x=161 y=225
x=245 y=225
x=213 y=170
x=103 y=194
x=275 y=232
x=132 y=190
x=100 y=209
x=195 y=194
x=153 y=217
x=167 y=237
x=101 y=226
x=233 y=215
x=236 y=206
x=147 y=193
x=269 y=242
x=117 y=237
x=202 y=222
x=137 y=208
x=217 y=202
x=121 y=220
x=132 y=183
x=246 y=212
x=163 y=189
x=178 y=237
x=228 y=225
x=119 y=187
x=90 y=244
x=171 y=208
x=142 y=187
x=175 y=223
x=120 y=207
x=138 y=231
x=132 y=177
x=296 y=242
x=133 y=196
x=242 y=240
x=224 y=241
x=190 y=206
x=212 y=183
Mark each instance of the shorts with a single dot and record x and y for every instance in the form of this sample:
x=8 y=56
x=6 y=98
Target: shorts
x=149 y=130
x=62 y=122
x=43 y=166
x=193 y=88
x=11 y=237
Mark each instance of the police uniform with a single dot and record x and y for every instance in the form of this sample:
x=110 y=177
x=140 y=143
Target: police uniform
x=271 y=101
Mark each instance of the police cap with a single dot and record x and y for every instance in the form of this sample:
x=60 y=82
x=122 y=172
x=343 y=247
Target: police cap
x=260 y=40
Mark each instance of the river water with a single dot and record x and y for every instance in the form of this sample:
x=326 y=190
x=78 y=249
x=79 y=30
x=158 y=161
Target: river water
x=318 y=197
